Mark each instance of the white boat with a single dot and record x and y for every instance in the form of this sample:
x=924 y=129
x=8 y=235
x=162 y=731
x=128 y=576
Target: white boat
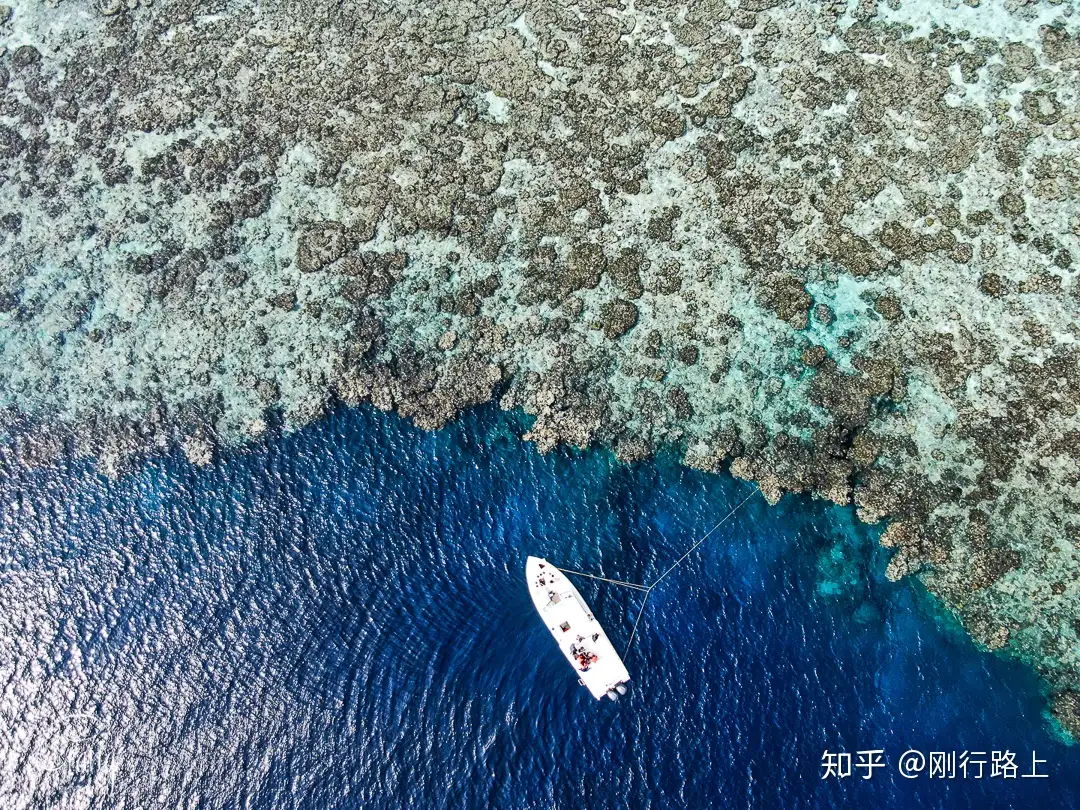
x=577 y=632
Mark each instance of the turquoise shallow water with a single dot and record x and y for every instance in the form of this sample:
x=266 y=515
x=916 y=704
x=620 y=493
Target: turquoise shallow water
x=337 y=619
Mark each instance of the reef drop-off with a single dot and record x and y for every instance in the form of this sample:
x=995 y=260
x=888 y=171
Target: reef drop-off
x=830 y=247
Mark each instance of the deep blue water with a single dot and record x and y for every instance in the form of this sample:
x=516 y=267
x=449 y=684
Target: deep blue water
x=338 y=619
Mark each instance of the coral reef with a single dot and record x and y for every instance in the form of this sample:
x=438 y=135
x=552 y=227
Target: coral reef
x=830 y=245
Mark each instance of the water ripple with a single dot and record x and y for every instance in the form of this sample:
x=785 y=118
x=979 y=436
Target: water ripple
x=337 y=620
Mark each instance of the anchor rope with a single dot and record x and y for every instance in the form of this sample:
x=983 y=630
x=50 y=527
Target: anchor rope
x=704 y=537
x=637 y=621
x=648 y=588
x=605 y=579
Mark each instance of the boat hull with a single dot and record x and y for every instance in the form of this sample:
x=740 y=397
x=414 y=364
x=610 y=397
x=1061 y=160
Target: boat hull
x=579 y=635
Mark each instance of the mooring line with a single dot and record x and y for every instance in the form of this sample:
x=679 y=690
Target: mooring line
x=637 y=621
x=648 y=588
x=704 y=537
x=605 y=579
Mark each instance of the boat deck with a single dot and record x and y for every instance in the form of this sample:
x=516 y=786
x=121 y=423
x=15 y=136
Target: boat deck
x=579 y=635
